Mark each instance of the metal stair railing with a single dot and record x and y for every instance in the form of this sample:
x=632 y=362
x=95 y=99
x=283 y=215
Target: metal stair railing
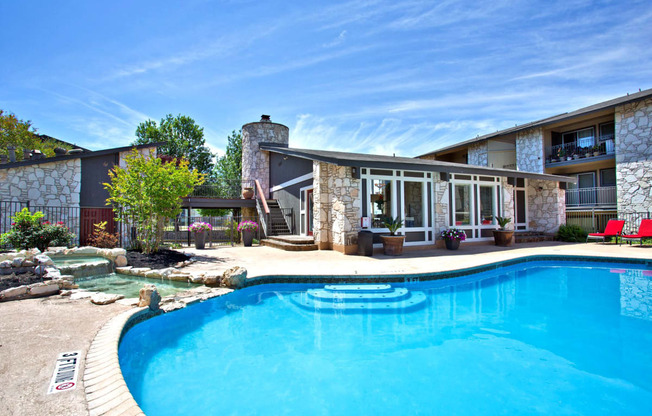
x=262 y=208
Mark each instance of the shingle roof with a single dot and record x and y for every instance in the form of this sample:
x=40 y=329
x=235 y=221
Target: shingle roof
x=405 y=163
x=554 y=119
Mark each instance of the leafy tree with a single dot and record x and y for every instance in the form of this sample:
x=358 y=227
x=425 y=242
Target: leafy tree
x=227 y=174
x=22 y=134
x=148 y=192
x=185 y=139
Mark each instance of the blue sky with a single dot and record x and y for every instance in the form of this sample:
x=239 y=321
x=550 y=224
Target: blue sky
x=403 y=77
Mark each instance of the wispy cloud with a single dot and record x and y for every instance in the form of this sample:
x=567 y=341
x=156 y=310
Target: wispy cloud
x=337 y=41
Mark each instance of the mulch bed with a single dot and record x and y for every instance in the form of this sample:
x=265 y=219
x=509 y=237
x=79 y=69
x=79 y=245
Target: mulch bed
x=159 y=260
x=15 y=280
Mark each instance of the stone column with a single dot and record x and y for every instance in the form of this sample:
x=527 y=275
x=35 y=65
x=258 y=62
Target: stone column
x=546 y=206
x=529 y=150
x=479 y=154
x=634 y=156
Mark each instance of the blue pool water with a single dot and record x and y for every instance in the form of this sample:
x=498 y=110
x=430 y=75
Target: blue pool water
x=534 y=338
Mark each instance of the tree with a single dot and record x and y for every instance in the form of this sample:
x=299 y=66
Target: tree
x=227 y=174
x=22 y=134
x=185 y=139
x=148 y=192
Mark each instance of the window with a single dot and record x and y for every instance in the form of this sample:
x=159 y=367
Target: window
x=413 y=204
x=608 y=177
x=462 y=204
x=474 y=205
x=582 y=138
x=487 y=205
x=381 y=202
x=607 y=131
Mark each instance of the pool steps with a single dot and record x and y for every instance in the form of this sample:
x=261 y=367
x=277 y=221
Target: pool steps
x=357 y=298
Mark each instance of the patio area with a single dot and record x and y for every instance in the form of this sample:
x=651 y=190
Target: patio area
x=34 y=331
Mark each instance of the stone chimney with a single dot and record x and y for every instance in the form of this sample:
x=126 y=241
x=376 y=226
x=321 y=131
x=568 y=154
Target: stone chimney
x=255 y=162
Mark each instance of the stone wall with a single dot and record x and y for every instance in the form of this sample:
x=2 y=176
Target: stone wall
x=546 y=206
x=255 y=163
x=54 y=184
x=529 y=150
x=508 y=201
x=634 y=156
x=479 y=154
x=337 y=207
x=442 y=208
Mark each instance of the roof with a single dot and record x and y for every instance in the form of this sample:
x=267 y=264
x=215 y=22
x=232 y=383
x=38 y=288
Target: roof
x=83 y=155
x=405 y=163
x=554 y=119
x=54 y=139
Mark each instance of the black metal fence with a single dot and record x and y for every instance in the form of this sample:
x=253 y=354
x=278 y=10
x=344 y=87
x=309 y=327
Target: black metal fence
x=224 y=231
x=70 y=216
x=223 y=189
x=596 y=221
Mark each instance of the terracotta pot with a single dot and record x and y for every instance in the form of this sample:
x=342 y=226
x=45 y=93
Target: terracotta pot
x=248 y=193
x=503 y=237
x=452 y=243
x=393 y=244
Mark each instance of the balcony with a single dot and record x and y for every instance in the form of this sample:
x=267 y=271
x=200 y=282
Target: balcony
x=573 y=151
x=591 y=197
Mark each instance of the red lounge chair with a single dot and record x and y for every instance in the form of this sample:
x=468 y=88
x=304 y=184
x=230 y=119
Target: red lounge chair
x=614 y=229
x=644 y=231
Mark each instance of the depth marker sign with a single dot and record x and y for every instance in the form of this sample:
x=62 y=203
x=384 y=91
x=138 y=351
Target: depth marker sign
x=65 y=372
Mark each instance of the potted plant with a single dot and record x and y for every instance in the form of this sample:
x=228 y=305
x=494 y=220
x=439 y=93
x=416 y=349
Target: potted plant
x=392 y=243
x=200 y=229
x=503 y=236
x=452 y=237
x=247 y=228
x=596 y=150
x=587 y=151
x=561 y=153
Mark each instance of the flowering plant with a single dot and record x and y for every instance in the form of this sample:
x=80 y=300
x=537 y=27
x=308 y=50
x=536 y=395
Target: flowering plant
x=453 y=234
x=247 y=225
x=200 y=227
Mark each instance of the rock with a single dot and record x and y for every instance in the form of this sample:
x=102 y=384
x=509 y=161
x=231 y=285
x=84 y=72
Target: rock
x=17 y=261
x=153 y=274
x=40 y=270
x=52 y=272
x=121 y=261
x=179 y=277
x=123 y=270
x=212 y=279
x=65 y=293
x=82 y=294
x=105 y=298
x=128 y=301
x=28 y=263
x=167 y=272
x=116 y=252
x=149 y=297
x=196 y=279
x=169 y=307
x=66 y=284
x=86 y=250
x=190 y=300
x=43 y=260
x=235 y=277
x=43 y=289
x=13 y=292
x=5 y=264
x=140 y=271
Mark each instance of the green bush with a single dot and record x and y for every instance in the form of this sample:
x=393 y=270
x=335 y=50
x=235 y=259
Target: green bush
x=571 y=233
x=28 y=231
x=231 y=230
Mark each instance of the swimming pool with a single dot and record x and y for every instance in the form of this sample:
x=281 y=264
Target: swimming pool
x=538 y=337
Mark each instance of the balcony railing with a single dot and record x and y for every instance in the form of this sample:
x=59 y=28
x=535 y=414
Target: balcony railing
x=585 y=197
x=223 y=189
x=572 y=151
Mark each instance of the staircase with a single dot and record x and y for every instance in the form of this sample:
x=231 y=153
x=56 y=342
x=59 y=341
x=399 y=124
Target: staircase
x=290 y=243
x=359 y=298
x=278 y=225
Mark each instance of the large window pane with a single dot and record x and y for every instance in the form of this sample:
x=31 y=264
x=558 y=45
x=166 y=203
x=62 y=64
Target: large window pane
x=413 y=204
x=487 y=205
x=462 y=204
x=381 y=202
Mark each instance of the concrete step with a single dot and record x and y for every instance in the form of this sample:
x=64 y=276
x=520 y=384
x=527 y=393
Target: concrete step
x=282 y=245
x=294 y=239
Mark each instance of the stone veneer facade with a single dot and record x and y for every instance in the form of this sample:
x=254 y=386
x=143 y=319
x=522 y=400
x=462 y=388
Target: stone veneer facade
x=634 y=156
x=337 y=207
x=55 y=184
x=529 y=150
x=441 y=192
x=255 y=163
x=479 y=154
x=546 y=206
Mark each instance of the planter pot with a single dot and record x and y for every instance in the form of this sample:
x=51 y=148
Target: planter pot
x=596 y=154
x=200 y=240
x=569 y=158
x=248 y=193
x=452 y=243
x=393 y=244
x=587 y=155
x=503 y=237
x=247 y=238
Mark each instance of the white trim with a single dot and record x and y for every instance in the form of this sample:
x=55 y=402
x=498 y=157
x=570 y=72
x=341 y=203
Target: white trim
x=292 y=182
x=303 y=212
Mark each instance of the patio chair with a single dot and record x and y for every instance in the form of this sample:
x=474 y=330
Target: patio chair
x=614 y=229
x=644 y=231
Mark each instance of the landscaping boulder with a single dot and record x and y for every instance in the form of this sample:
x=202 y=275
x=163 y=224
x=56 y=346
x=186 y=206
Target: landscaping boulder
x=13 y=293
x=105 y=298
x=43 y=289
x=212 y=279
x=149 y=297
x=44 y=260
x=121 y=261
x=235 y=277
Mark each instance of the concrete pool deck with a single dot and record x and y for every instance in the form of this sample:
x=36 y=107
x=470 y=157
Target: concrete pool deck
x=34 y=331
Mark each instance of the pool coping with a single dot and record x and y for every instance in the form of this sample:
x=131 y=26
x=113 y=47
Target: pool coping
x=107 y=392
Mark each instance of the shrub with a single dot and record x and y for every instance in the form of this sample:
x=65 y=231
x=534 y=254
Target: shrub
x=28 y=231
x=102 y=238
x=232 y=232
x=571 y=233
